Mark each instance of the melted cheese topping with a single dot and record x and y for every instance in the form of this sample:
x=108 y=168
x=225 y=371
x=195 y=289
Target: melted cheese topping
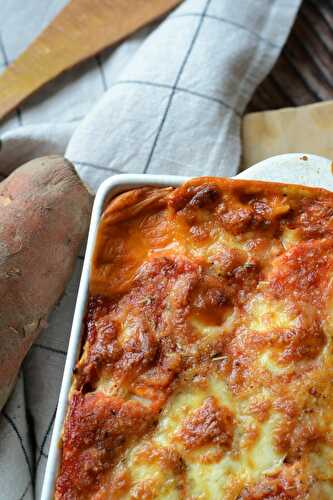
x=207 y=364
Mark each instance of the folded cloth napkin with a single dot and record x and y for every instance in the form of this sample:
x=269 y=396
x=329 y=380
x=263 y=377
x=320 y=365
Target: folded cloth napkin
x=168 y=100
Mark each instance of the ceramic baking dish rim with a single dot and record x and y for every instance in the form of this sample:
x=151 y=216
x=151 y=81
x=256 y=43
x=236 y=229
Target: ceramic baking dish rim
x=318 y=173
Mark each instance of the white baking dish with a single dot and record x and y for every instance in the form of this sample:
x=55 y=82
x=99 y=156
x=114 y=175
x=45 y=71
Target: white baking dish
x=291 y=168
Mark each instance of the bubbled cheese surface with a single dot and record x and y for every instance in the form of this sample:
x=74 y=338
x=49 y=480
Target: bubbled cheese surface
x=207 y=367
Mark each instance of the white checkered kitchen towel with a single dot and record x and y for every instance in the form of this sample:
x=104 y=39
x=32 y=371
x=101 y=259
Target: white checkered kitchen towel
x=168 y=100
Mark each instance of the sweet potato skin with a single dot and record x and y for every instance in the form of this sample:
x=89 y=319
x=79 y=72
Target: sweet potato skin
x=44 y=217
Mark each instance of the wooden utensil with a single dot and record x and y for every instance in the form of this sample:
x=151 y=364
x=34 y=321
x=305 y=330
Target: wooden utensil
x=82 y=29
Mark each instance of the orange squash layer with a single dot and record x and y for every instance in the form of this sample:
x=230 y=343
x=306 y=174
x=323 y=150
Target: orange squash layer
x=206 y=367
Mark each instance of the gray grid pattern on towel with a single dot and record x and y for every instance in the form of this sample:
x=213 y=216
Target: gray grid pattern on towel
x=188 y=79
x=217 y=100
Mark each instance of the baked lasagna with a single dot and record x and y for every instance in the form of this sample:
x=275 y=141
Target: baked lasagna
x=206 y=369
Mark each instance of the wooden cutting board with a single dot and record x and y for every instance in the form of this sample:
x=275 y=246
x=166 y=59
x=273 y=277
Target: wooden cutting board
x=82 y=29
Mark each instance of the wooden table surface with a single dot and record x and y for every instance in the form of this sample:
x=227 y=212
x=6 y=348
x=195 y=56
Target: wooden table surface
x=303 y=73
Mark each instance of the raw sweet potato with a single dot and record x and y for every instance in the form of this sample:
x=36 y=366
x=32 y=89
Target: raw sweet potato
x=44 y=217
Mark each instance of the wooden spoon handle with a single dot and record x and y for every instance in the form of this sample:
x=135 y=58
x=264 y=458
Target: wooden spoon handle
x=82 y=29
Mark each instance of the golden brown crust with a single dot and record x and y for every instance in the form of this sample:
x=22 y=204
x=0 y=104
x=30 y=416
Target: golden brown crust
x=208 y=349
x=209 y=424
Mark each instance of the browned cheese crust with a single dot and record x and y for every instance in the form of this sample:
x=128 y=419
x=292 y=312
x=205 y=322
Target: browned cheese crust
x=206 y=367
